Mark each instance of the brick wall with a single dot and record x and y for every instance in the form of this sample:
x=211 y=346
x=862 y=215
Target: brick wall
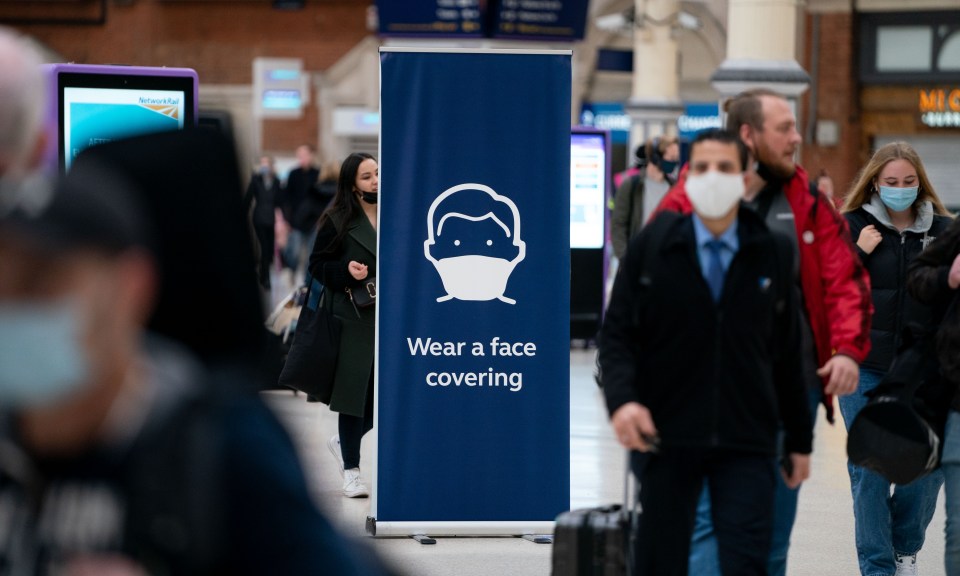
x=218 y=39
x=837 y=100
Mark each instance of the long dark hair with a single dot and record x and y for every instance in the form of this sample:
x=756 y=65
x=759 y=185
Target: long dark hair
x=345 y=207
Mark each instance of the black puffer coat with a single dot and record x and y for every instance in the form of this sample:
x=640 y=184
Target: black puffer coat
x=893 y=307
x=927 y=280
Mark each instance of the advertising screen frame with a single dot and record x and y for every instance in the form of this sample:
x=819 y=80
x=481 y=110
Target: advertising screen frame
x=64 y=76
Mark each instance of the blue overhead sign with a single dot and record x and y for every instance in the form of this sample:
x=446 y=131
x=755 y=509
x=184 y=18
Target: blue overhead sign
x=697 y=117
x=540 y=19
x=431 y=18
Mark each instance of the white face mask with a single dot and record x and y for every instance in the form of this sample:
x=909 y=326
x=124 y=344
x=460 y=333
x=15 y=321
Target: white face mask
x=475 y=277
x=714 y=194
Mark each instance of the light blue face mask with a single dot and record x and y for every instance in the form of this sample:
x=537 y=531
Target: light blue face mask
x=41 y=359
x=898 y=199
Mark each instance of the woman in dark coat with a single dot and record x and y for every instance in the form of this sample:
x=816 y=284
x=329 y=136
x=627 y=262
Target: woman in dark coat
x=894 y=213
x=344 y=259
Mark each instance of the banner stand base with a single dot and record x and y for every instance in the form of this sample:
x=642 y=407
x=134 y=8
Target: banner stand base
x=539 y=538
x=423 y=539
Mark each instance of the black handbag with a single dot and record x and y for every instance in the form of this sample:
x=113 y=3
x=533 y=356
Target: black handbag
x=312 y=360
x=365 y=295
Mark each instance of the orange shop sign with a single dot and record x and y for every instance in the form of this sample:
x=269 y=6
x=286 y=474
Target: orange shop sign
x=940 y=108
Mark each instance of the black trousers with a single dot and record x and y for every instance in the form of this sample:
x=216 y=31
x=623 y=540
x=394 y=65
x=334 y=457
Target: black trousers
x=352 y=430
x=742 y=494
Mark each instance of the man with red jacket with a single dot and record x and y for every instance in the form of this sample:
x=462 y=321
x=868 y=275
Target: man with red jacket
x=834 y=287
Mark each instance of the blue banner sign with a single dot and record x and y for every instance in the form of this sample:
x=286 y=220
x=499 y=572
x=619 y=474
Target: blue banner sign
x=473 y=292
x=607 y=116
x=697 y=117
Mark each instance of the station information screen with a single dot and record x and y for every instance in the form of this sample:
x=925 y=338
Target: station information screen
x=588 y=184
x=95 y=108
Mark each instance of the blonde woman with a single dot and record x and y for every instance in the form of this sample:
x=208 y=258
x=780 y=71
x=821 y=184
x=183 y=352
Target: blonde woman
x=894 y=213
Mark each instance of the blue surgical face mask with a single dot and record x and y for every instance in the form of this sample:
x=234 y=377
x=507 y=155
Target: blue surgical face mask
x=41 y=356
x=668 y=166
x=898 y=199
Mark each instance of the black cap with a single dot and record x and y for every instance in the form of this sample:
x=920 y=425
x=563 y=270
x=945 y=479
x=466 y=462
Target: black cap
x=90 y=209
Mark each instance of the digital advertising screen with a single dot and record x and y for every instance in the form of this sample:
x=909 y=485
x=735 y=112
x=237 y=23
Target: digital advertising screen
x=93 y=105
x=98 y=115
x=588 y=183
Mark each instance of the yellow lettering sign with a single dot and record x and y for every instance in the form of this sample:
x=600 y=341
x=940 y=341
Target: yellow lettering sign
x=954 y=100
x=928 y=100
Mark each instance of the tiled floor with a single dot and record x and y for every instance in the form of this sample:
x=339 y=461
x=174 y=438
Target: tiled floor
x=823 y=543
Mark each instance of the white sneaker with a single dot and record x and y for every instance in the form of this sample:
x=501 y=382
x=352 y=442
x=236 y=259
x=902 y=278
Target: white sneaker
x=353 y=486
x=906 y=565
x=334 y=445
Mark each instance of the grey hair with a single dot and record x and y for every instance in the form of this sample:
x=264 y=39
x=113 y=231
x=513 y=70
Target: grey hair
x=22 y=99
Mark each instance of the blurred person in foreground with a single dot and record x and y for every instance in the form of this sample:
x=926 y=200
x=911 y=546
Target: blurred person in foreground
x=701 y=363
x=933 y=278
x=120 y=452
x=832 y=286
x=22 y=90
x=894 y=213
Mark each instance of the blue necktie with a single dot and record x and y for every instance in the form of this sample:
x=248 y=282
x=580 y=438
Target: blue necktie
x=715 y=268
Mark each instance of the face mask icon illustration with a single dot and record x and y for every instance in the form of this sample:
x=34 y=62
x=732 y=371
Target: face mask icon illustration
x=473 y=240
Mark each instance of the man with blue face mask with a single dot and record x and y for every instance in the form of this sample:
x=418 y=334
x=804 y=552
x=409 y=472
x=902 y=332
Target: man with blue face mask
x=120 y=453
x=700 y=363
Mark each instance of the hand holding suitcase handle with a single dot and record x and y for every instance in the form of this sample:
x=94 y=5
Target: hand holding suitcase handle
x=634 y=428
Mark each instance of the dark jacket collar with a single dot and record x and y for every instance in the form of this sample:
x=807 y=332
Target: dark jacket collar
x=362 y=231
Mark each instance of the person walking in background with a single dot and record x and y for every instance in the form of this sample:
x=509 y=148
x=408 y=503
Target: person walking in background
x=894 y=213
x=344 y=255
x=700 y=362
x=637 y=194
x=263 y=192
x=296 y=205
x=833 y=285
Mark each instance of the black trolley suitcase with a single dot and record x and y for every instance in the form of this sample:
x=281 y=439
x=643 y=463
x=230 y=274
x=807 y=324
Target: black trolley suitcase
x=597 y=541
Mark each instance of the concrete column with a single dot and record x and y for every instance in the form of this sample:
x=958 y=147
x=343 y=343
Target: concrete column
x=761 y=49
x=655 y=102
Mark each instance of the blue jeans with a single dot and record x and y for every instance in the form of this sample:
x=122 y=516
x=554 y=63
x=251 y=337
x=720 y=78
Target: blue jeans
x=886 y=523
x=704 y=556
x=950 y=464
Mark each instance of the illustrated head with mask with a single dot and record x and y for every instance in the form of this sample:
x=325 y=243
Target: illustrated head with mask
x=473 y=240
x=77 y=288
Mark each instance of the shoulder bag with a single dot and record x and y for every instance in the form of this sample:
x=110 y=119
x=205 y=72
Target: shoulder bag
x=311 y=364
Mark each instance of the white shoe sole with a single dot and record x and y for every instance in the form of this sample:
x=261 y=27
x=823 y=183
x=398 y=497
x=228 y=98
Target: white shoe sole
x=361 y=493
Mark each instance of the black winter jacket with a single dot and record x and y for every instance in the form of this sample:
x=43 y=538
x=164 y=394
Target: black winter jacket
x=927 y=280
x=712 y=374
x=893 y=307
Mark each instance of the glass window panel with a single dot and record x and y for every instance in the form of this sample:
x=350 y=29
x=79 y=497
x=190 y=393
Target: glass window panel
x=950 y=53
x=904 y=48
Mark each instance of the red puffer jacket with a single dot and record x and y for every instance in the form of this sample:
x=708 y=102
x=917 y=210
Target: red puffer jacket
x=836 y=287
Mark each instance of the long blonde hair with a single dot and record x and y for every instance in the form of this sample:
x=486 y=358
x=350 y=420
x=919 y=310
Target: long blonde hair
x=866 y=184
